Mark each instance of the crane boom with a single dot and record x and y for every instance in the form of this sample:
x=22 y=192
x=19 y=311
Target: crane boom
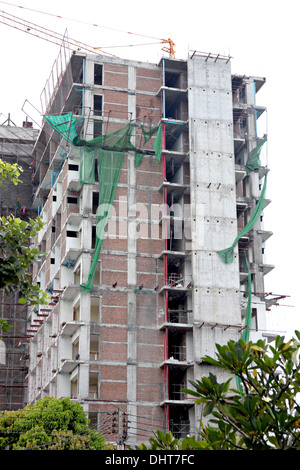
x=58 y=38
x=44 y=33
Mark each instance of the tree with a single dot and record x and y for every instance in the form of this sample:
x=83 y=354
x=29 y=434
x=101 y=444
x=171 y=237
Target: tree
x=49 y=424
x=17 y=256
x=166 y=441
x=9 y=172
x=262 y=413
x=16 y=253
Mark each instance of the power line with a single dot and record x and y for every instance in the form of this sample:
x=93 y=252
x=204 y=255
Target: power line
x=53 y=37
x=43 y=33
x=80 y=21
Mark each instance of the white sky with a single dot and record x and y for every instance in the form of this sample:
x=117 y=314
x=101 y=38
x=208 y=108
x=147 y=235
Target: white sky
x=260 y=35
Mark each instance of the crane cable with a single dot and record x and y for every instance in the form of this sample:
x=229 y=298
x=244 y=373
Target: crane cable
x=51 y=36
x=169 y=49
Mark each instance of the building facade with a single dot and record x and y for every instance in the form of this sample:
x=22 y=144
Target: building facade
x=162 y=296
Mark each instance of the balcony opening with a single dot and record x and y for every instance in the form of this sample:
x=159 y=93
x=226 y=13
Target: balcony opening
x=95 y=309
x=77 y=275
x=173 y=109
x=75 y=350
x=93 y=387
x=94 y=348
x=177 y=345
x=174 y=242
x=76 y=312
x=93 y=236
x=179 y=423
x=95 y=202
x=178 y=312
x=177 y=381
x=172 y=79
x=74 y=388
x=179 y=274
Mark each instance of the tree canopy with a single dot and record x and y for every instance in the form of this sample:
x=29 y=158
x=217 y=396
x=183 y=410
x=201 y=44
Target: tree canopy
x=262 y=413
x=49 y=424
x=257 y=408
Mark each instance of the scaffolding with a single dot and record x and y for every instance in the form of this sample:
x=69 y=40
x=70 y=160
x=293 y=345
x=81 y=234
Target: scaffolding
x=16 y=146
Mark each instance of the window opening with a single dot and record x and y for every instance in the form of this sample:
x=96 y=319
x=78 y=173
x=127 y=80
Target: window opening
x=98 y=72
x=97 y=128
x=72 y=234
x=72 y=200
x=73 y=167
x=98 y=100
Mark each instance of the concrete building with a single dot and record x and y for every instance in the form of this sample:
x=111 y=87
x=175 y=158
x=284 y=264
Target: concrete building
x=162 y=296
x=16 y=146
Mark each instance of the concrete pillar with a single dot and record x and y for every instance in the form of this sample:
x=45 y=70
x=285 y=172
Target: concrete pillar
x=131 y=264
x=216 y=285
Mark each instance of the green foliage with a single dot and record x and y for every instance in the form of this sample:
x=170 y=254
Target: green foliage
x=17 y=256
x=49 y=424
x=16 y=253
x=4 y=326
x=166 y=441
x=264 y=414
x=9 y=172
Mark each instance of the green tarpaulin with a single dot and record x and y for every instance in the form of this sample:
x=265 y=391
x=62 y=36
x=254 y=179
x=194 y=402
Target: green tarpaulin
x=107 y=151
x=253 y=162
x=248 y=294
x=65 y=125
x=227 y=255
x=109 y=169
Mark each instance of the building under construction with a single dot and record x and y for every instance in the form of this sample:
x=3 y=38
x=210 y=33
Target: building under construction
x=16 y=146
x=151 y=181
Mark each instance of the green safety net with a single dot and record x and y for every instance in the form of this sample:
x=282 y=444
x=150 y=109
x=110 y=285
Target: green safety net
x=109 y=168
x=248 y=294
x=227 y=255
x=148 y=134
x=135 y=291
x=253 y=162
x=107 y=152
x=65 y=125
x=116 y=141
x=157 y=145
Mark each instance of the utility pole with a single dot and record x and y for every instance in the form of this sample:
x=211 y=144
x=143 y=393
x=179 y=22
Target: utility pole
x=120 y=428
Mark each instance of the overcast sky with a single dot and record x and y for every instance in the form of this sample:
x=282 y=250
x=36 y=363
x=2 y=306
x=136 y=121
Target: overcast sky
x=262 y=38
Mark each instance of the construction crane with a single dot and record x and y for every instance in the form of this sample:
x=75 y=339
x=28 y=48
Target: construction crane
x=43 y=33
x=73 y=44
x=169 y=49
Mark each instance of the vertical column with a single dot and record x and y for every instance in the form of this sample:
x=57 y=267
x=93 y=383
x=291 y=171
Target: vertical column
x=131 y=263
x=213 y=198
x=254 y=186
x=85 y=299
x=216 y=296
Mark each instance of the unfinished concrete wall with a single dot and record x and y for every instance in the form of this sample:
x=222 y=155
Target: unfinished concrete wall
x=213 y=202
